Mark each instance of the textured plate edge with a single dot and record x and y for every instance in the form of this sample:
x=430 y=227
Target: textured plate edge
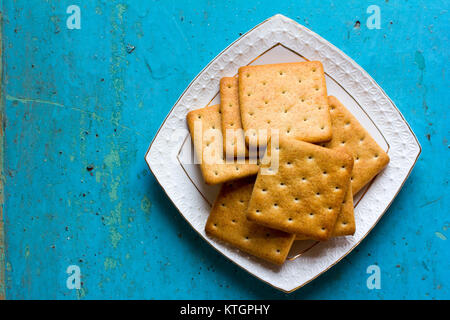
x=356 y=66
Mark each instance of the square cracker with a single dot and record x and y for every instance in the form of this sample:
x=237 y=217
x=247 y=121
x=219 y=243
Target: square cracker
x=205 y=128
x=345 y=223
x=370 y=159
x=305 y=193
x=232 y=132
x=289 y=97
x=228 y=222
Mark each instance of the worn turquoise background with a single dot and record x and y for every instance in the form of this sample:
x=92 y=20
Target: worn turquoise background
x=80 y=110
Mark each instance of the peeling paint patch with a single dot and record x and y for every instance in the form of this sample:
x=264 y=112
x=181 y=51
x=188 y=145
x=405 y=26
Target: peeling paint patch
x=81 y=293
x=98 y=176
x=115 y=236
x=440 y=236
x=419 y=60
x=27 y=252
x=112 y=159
x=146 y=204
x=113 y=190
x=114 y=221
x=110 y=263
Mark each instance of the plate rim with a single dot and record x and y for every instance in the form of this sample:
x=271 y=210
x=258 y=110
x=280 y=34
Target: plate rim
x=354 y=64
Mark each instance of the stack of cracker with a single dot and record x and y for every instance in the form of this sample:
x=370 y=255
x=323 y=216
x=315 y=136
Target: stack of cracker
x=316 y=157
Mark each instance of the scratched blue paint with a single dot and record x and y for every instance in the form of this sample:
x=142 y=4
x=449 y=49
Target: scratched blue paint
x=81 y=110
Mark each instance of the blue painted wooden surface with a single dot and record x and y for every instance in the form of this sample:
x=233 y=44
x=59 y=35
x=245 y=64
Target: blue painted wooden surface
x=80 y=111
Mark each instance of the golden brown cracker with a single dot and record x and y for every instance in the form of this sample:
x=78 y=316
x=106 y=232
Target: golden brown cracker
x=369 y=157
x=228 y=222
x=305 y=193
x=288 y=97
x=232 y=132
x=205 y=128
x=345 y=222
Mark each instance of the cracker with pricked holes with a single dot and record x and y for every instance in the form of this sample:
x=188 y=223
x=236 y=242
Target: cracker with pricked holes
x=289 y=97
x=205 y=128
x=232 y=132
x=228 y=222
x=370 y=159
x=345 y=223
x=305 y=193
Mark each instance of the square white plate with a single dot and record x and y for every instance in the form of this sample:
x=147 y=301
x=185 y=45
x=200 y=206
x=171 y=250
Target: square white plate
x=279 y=39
